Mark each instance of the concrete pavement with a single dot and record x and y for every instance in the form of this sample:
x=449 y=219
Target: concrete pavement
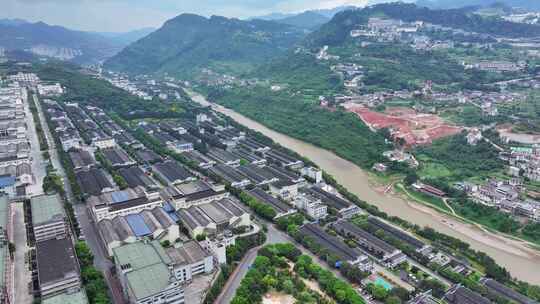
x=53 y=153
x=273 y=236
x=101 y=261
x=39 y=165
x=229 y=290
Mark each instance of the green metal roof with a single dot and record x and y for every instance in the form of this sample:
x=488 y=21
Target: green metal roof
x=4 y=204
x=3 y=257
x=140 y=254
x=149 y=280
x=46 y=208
x=64 y=298
x=521 y=149
x=148 y=262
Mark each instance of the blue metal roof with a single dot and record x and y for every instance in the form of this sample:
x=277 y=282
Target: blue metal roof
x=119 y=196
x=174 y=216
x=137 y=224
x=7 y=180
x=168 y=207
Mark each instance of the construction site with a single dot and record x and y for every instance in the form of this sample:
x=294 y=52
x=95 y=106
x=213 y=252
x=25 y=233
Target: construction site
x=413 y=127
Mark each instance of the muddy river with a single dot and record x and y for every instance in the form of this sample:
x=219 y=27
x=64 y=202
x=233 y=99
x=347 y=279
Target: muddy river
x=522 y=261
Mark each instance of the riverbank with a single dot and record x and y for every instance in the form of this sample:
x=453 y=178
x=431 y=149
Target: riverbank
x=517 y=256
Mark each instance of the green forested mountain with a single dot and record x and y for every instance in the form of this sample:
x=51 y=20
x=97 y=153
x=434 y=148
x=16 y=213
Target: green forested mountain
x=128 y=37
x=338 y=29
x=18 y=35
x=526 y=4
x=305 y=20
x=188 y=43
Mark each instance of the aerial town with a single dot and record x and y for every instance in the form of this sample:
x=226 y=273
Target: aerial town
x=388 y=155
x=160 y=214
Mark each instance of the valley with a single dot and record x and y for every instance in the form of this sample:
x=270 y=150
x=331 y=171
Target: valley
x=518 y=256
x=190 y=153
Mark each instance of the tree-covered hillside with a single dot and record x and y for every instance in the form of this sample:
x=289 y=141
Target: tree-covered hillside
x=188 y=43
x=18 y=35
x=340 y=132
x=305 y=20
x=338 y=29
x=527 y=4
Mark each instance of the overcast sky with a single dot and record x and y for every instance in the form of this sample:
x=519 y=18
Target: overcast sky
x=125 y=15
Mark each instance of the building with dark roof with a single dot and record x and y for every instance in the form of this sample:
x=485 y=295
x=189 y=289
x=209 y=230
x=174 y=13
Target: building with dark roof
x=214 y=218
x=230 y=175
x=81 y=159
x=147 y=156
x=253 y=145
x=284 y=160
x=57 y=267
x=286 y=175
x=258 y=176
x=497 y=289
x=344 y=208
x=135 y=176
x=125 y=139
x=429 y=190
x=387 y=253
x=399 y=234
x=335 y=246
x=117 y=157
x=172 y=127
x=200 y=159
x=249 y=156
x=93 y=181
x=193 y=193
x=462 y=295
x=224 y=157
x=281 y=208
x=172 y=172
x=14 y=152
x=121 y=203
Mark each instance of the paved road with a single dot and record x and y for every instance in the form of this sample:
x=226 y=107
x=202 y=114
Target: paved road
x=273 y=236
x=39 y=165
x=53 y=153
x=234 y=281
x=101 y=261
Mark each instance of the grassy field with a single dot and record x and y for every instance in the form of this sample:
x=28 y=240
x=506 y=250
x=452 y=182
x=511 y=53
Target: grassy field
x=424 y=199
x=434 y=170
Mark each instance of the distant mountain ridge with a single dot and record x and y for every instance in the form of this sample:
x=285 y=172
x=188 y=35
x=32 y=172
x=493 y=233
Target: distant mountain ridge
x=448 y=4
x=306 y=20
x=329 y=13
x=59 y=42
x=189 y=42
x=55 y=41
x=310 y=19
x=127 y=38
x=13 y=22
x=338 y=29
